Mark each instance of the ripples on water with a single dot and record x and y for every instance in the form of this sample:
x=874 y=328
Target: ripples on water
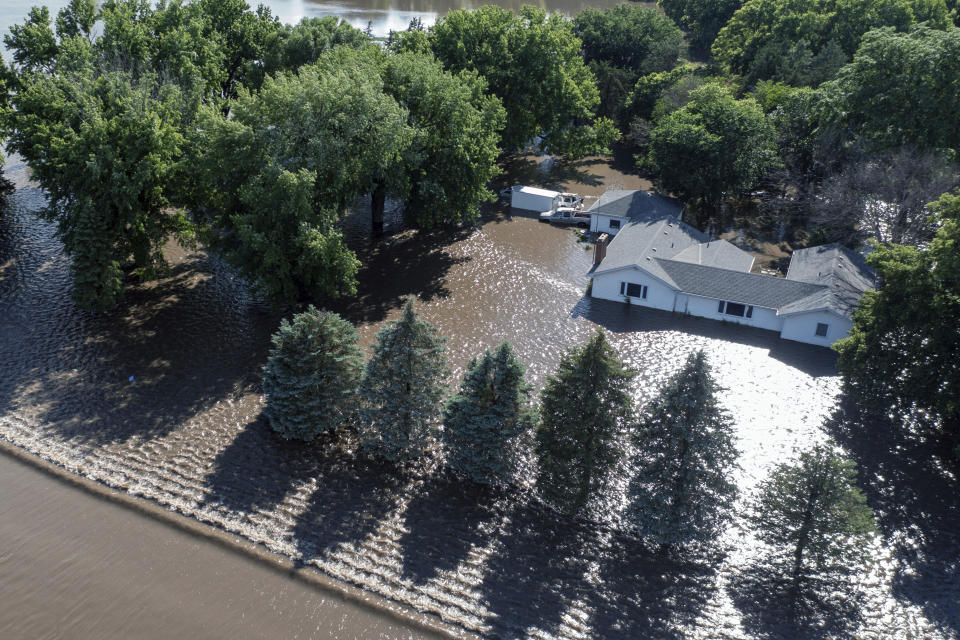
x=188 y=434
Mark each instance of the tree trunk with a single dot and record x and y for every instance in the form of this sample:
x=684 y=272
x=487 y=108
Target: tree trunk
x=377 y=201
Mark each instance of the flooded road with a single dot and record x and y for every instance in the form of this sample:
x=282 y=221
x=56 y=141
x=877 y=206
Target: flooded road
x=188 y=434
x=76 y=566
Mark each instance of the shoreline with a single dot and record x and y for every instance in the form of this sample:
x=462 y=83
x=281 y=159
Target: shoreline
x=279 y=563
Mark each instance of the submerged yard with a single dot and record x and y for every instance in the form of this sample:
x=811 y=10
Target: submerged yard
x=160 y=398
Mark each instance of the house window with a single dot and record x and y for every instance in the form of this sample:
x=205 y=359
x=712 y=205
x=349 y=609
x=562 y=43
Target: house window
x=636 y=290
x=734 y=309
x=822 y=329
x=614 y=224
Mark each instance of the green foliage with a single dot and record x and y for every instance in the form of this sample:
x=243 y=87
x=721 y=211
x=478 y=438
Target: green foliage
x=532 y=62
x=586 y=409
x=630 y=37
x=489 y=423
x=402 y=390
x=901 y=353
x=900 y=89
x=712 y=147
x=312 y=375
x=702 y=19
x=682 y=491
x=761 y=28
x=812 y=510
x=649 y=88
x=106 y=149
x=291 y=47
x=453 y=150
x=279 y=173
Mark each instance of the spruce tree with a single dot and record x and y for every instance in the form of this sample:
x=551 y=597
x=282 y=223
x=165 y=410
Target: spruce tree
x=312 y=375
x=403 y=389
x=682 y=491
x=812 y=510
x=488 y=423
x=586 y=409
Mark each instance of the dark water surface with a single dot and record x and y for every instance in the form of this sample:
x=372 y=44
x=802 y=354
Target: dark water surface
x=188 y=433
x=76 y=566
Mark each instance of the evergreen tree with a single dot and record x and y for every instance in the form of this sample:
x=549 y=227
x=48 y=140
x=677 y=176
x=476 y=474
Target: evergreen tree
x=682 y=491
x=586 y=408
x=812 y=510
x=488 y=423
x=312 y=375
x=403 y=389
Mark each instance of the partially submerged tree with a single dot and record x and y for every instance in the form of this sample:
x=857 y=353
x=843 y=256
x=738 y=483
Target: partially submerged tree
x=585 y=412
x=403 y=388
x=488 y=425
x=532 y=62
x=682 y=491
x=902 y=351
x=812 y=511
x=713 y=147
x=312 y=375
x=629 y=37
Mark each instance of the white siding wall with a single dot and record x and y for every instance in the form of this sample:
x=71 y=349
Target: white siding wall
x=803 y=328
x=763 y=318
x=600 y=223
x=607 y=286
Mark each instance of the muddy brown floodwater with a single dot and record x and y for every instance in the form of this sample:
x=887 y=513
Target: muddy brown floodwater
x=188 y=434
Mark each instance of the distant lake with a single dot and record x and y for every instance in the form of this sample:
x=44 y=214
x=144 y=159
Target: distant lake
x=382 y=15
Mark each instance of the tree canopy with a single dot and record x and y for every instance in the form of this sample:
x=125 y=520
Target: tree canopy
x=586 y=411
x=312 y=375
x=762 y=27
x=901 y=89
x=703 y=19
x=402 y=390
x=533 y=63
x=488 y=425
x=712 y=147
x=812 y=510
x=629 y=36
x=682 y=491
x=901 y=353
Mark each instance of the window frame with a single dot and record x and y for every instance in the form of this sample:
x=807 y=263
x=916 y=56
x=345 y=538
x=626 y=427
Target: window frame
x=613 y=224
x=826 y=329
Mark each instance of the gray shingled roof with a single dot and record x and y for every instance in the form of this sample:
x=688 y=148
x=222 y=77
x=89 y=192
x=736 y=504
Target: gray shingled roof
x=656 y=237
x=717 y=253
x=736 y=286
x=845 y=275
x=636 y=204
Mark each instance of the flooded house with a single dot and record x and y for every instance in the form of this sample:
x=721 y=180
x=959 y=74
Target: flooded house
x=656 y=260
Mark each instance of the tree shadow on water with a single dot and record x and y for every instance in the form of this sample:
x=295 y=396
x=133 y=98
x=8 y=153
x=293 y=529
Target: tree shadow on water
x=445 y=519
x=829 y=606
x=642 y=594
x=170 y=350
x=915 y=497
x=410 y=263
x=536 y=573
x=259 y=468
x=352 y=498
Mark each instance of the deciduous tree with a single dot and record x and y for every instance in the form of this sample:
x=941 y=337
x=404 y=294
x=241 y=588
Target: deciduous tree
x=702 y=19
x=312 y=375
x=902 y=352
x=629 y=37
x=712 y=147
x=812 y=511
